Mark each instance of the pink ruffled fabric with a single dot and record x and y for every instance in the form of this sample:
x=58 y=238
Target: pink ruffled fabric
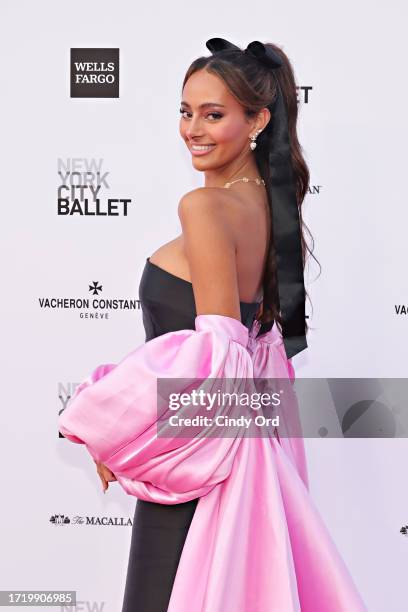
x=256 y=542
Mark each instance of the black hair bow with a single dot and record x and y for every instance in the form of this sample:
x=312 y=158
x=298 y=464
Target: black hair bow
x=266 y=55
x=285 y=212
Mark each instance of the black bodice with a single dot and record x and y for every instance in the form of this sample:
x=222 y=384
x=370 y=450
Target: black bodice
x=168 y=303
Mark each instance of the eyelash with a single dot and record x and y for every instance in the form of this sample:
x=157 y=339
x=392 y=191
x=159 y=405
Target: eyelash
x=218 y=115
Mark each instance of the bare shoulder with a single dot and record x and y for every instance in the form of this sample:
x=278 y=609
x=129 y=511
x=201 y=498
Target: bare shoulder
x=210 y=202
x=210 y=248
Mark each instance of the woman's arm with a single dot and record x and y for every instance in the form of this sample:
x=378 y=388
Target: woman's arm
x=210 y=249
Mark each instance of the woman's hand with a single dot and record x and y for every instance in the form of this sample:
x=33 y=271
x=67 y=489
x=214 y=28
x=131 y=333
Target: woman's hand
x=105 y=475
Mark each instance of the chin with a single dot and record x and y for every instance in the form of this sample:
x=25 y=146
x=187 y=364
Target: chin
x=205 y=164
x=201 y=164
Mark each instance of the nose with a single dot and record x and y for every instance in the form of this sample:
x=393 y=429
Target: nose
x=194 y=128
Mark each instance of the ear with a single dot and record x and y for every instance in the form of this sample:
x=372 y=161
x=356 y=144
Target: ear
x=263 y=119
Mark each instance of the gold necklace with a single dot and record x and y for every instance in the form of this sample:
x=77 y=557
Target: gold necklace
x=258 y=181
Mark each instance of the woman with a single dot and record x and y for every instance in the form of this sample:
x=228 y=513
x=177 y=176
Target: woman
x=220 y=523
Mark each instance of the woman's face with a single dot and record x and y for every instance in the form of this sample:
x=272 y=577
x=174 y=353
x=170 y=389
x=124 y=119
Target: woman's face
x=211 y=116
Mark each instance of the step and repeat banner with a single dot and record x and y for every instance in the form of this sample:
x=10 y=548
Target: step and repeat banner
x=93 y=168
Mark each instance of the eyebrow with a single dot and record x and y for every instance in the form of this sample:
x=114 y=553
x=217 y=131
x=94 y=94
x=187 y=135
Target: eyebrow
x=204 y=105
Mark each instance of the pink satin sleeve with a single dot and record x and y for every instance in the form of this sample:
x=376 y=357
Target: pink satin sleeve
x=114 y=412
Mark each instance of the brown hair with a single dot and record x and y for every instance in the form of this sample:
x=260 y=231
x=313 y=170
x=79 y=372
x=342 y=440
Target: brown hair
x=254 y=87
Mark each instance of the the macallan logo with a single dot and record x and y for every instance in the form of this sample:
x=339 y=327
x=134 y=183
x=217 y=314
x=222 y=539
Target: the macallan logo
x=59 y=519
x=99 y=307
x=94 y=73
x=82 y=182
x=401 y=309
x=116 y=521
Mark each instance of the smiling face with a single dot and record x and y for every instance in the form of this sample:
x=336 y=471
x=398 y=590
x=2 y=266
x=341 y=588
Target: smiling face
x=213 y=123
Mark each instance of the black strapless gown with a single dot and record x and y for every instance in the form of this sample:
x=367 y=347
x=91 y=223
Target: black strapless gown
x=159 y=530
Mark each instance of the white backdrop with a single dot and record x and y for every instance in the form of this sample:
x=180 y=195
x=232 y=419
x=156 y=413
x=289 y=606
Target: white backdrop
x=353 y=130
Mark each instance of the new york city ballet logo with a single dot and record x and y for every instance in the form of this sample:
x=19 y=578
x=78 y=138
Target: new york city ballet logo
x=303 y=93
x=84 y=189
x=94 y=73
